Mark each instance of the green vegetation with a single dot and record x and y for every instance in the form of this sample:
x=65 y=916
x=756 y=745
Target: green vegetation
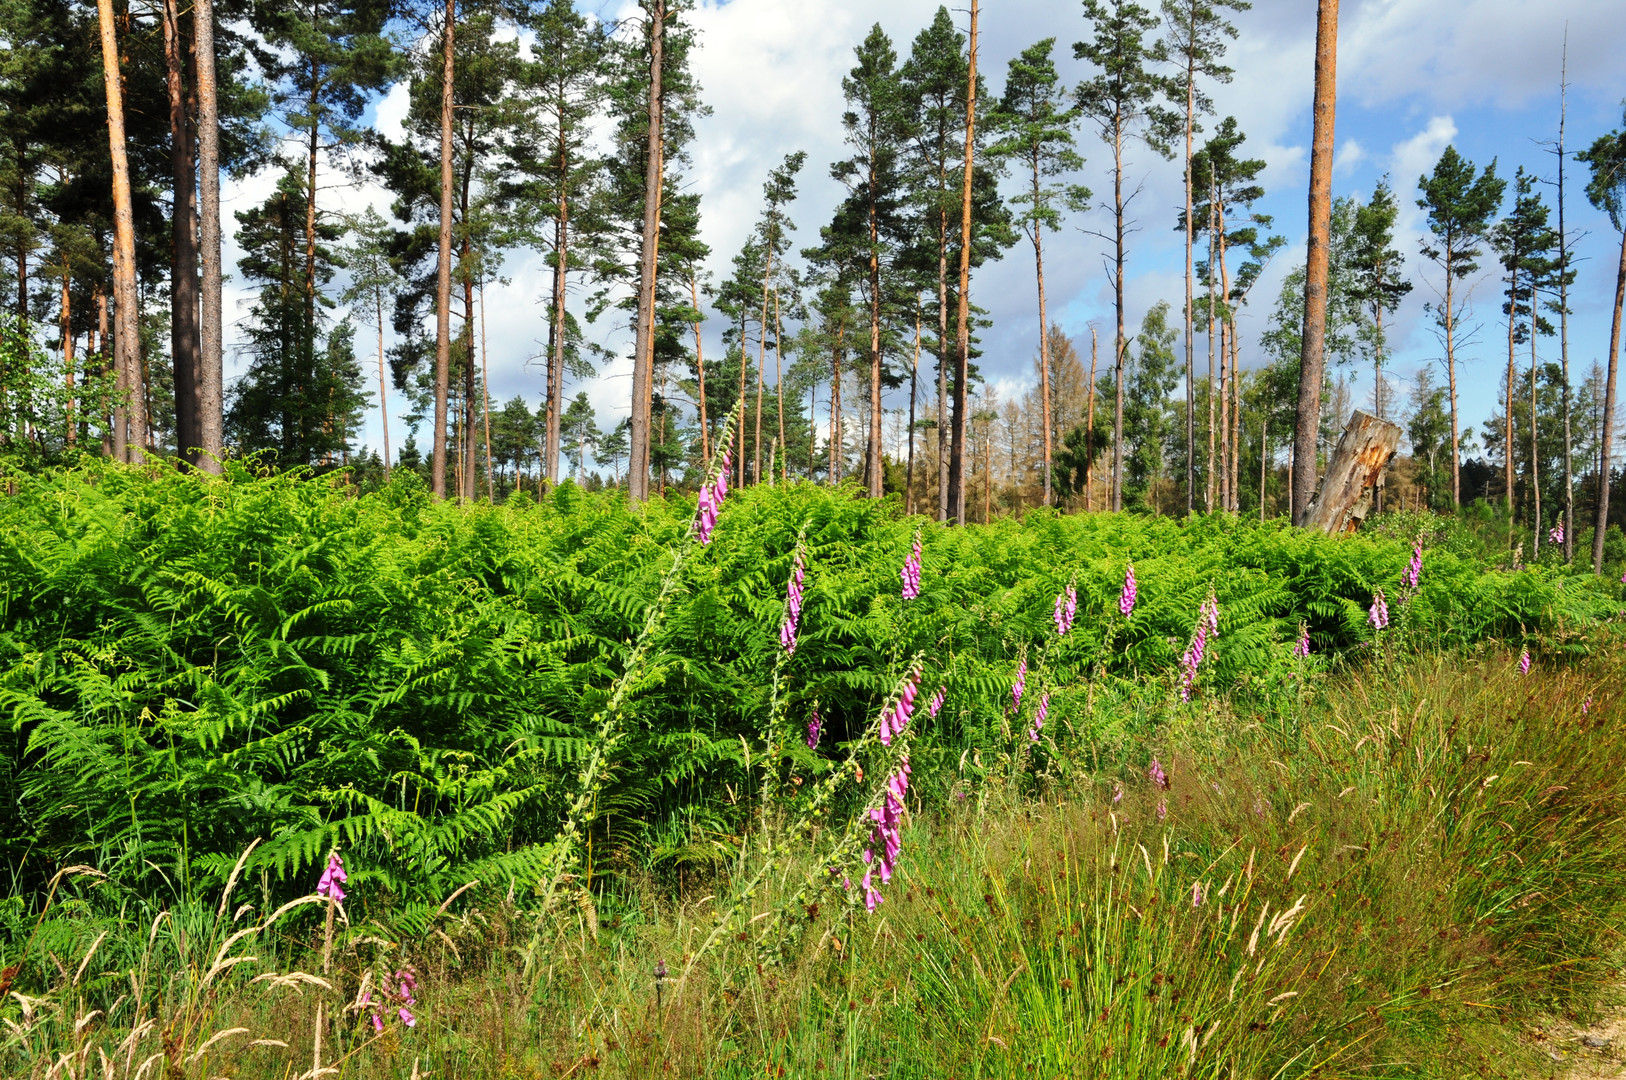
x=210 y=686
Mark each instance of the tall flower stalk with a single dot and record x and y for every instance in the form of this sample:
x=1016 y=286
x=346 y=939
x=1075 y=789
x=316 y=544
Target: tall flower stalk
x=911 y=571
x=1126 y=598
x=1206 y=630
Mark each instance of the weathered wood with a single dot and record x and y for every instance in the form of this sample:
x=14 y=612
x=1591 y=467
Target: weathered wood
x=1363 y=452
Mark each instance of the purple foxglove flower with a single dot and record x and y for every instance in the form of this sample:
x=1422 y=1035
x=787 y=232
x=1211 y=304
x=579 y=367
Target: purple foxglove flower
x=1524 y=662
x=378 y=1023
x=1213 y=616
x=1556 y=534
x=1207 y=626
x=1117 y=792
x=895 y=716
x=332 y=878
x=1378 y=614
x=406 y=1017
x=1066 y=608
x=1126 y=599
x=1156 y=774
x=1162 y=809
x=1196 y=895
x=1038 y=718
x=814 y=726
x=1301 y=648
x=911 y=571
x=872 y=895
x=936 y=702
x=1016 y=687
x=793 y=608
x=1413 y=573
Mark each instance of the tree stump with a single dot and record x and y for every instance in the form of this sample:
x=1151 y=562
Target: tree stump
x=1363 y=452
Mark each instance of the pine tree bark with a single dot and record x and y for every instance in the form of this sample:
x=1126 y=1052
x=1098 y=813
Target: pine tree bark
x=211 y=361
x=1044 y=328
x=183 y=293
x=443 y=273
x=1191 y=383
x=700 y=369
x=557 y=325
x=779 y=388
x=1120 y=342
x=71 y=433
x=1313 y=358
x=963 y=328
x=1535 y=463
x=762 y=362
x=1211 y=478
x=909 y=470
x=1451 y=382
x=1564 y=316
x=1089 y=428
x=942 y=358
x=1601 y=524
x=644 y=339
x=129 y=412
x=1507 y=412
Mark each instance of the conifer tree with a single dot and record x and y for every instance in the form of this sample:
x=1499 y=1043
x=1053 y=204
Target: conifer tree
x=1377 y=273
x=1194 y=40
x=1035 y=126
x=1460 y=207
x=1121 y=101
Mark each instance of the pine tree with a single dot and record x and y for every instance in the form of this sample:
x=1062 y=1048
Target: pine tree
x=1606 y=190
x=1460 y=206
x=1148 y=424
x=1194 y=41
x=373 y=278
x=1035 y=129
x=869 y=224
x=1377 y=273
x=1121 y=100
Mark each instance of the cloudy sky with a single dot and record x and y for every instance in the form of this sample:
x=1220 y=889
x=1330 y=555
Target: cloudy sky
x=1413 y=77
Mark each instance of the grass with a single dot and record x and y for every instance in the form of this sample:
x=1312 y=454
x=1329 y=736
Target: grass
x=1403 y=870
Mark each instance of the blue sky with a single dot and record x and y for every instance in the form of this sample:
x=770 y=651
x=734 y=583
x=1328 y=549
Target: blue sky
x=1413 y=76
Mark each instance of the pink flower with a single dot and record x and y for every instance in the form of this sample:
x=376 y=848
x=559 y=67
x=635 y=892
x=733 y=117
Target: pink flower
x=1156 y=774
x=378 y=1023
x=911 y=571
x=1555 y=535
x=1207 y=627
x=1196 y=895
x=1066 y=607
x=711 y=501
x=793 y=607
x=1126 y=599
x=332 y=878
x=1301 y=648
x=936 y=702
x=406 y=1017
x=1378 y=614
x=1016 y=687
x=1414 y=570
x=1162 y=809
x=1524 y=662
x=1586 y=706
x=814 y=726
x=895 y=717
x=1038 y=719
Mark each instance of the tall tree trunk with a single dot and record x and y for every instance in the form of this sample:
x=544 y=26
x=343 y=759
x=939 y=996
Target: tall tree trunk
x=71 y=434
x=1212 y=479
x=643 y=382
x=942 y=353
x=1607 y=439
x=1120 y=343
x=762 y=363
x=1535 y=463
x=1507 y=417
x=779 y=388
x=740 y=400
x=1044 y=328
x=103 y=361
x=1089 y=427
x=872 y=447
x=1191 y=383
x=1564 y=313
x=557 y=326
x=1312 y=364
x=485 y=397
x=443 y=278
x=914 y=376
x=21 y=147
x=962 y=349
x=211 y=363
x=700 y=369
x=383 y=401
x=129 y=414
x=183 y=292
x=1451 y=380
x=1229 y=447
x=307 y=343
x=1236 y=417
x=835 y=402
x=470 y=474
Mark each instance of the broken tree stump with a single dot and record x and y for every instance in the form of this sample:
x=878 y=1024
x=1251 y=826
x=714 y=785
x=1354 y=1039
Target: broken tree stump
x=1364 y=451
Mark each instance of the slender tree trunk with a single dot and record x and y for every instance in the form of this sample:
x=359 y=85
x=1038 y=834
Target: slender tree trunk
x=739 y=434
x=914 y=376
x=1230 y=448
x=644 y=346
x=762 y=363
x=942 y=354
x=1312 y=365
x=963 y=326
x=1507 y=417
x=307 y=345
x=443 y=280
x=1236 y=418
x=1191 y=384
x=104 y=361
x=1264 y=458
x=470 y=475
x=485 y=397
x=835 y=403
x=1607 y=439
x=1535 y=463
x=21 y=147
x=557 y=326
x=779 y=388
x=129 y=415
x=1044 y=329
x=71 y=434
x=1211 y=477
x=1089 y=428
x=211 y=373
x=1120 y=343
x=873 y=468
x=1564 y=314
x=183 y=294
x=700 y=369
x=1451 y=379
x=383 y=402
